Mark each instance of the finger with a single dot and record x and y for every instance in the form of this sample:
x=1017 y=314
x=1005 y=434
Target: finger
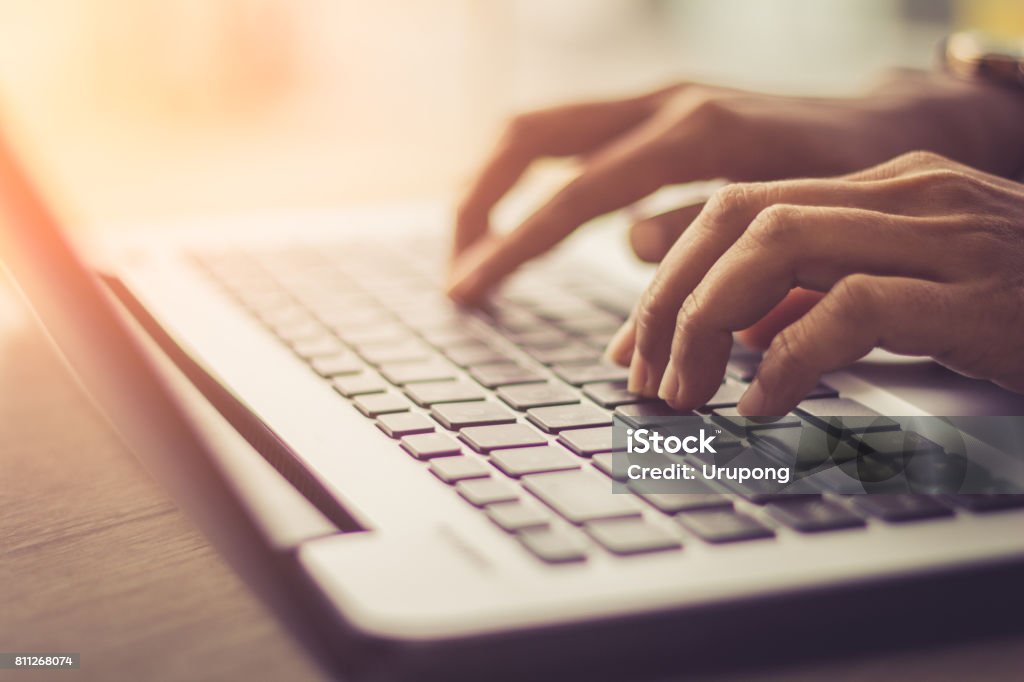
x=560 y=131
x=902 y=315
x=724 y=218
x=786 y=246
x=651 y=238
x=617 y=179
x=633 y=166
x=796 y=304
x=620 y=348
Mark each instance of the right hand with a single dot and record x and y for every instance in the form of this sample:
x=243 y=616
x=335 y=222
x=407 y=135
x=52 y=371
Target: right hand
x=631 y=147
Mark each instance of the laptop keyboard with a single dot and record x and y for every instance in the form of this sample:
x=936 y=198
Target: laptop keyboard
x=512 y=405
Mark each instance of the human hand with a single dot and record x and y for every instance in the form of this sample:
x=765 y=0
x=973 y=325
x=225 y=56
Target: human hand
x=631 y=147
x=919 y=256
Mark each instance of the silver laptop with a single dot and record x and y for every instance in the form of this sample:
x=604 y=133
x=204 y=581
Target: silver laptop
x=448 y=495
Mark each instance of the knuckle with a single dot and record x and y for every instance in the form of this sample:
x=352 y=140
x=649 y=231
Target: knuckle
x=709 y=108
x=689 y=314
x=947 y=186
x=775 y=225
x=921 y=159
x=956 y=188
x=732 y=198
x=855 y=297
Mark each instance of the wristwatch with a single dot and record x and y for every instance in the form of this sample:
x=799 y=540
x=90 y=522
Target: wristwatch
x=978 y=55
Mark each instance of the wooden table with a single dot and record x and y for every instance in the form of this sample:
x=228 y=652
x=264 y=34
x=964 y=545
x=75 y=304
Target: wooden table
x=94 y=558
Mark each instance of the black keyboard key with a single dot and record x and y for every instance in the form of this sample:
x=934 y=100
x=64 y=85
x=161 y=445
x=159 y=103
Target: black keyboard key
x=319 y=347
x=400 y=424
x=517 y=321
x=572 y=352
x=987 y=502
x=359 y=384
x=374 y=405
x=517 y=516
x=539 y=338
x=488 y=438
x=814 y=515
x=649 y=414
x=579 y=496
x=597 y=340
x=727 y=395
x=595 y=322
x=900 y=508
x=611 y=394
x=412 y=351
x=402 y=373
x=554 y=546
x=278 y=310
x=300 y=332
x=493 y=376
x=810 y=448
x=536 y=460
x=481 y=492
x=457 y=416
x=474 y=354
x=759 y=491
x=561 y=417
x=720 y=526
x=527 y=396
x=455 y=469
x=430 y=445
x=632 y=536
x=730 y=418
x=362 y=336
x=561 y=309
x=435 y=392
x=337 y=365
x=845 y=416
x=587 y=442
x=579 y=375
x=673 y=503
x=605 y=463
x=821 y=391
x=449 y=337
x=893 y=443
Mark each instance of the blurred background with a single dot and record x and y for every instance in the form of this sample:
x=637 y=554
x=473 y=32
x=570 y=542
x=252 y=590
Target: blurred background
x=158 y=108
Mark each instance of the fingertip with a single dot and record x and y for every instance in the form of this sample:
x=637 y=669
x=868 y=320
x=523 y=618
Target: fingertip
x=647 y=241
x=464 y=288
x=752 y=403
x=620 y=348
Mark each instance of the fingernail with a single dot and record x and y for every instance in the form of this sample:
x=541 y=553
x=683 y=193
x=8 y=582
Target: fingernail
x=638 y=370
x=670 y=387
x=753 y=402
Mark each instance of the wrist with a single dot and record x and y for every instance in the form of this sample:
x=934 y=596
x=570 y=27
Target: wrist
x=970 y=121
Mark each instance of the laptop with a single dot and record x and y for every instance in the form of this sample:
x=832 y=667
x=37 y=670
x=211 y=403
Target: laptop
x=429 y=492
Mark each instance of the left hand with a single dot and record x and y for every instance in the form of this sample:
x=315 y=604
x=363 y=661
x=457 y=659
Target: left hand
x=919 y=256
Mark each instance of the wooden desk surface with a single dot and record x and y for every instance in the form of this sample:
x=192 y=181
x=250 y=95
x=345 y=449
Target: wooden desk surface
x=94 y=558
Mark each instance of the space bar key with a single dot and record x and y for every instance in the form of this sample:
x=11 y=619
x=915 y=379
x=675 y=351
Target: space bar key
x=580 y=497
